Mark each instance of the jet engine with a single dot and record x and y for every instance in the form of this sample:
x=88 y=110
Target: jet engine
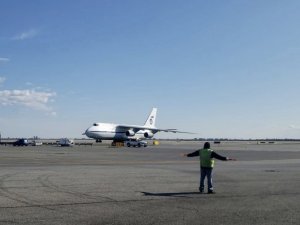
x=148 y=134
x=129 y=133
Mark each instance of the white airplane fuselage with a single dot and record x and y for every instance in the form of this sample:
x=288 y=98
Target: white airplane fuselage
x=123 y=132
x=110 y=131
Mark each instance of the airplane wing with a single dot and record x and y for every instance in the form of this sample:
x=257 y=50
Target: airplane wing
x=174 y=131
x=136 y=128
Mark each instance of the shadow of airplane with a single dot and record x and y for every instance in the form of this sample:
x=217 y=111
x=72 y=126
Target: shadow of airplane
x=173 y=194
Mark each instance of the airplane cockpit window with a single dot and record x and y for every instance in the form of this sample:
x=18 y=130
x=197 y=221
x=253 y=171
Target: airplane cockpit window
x=95 y=124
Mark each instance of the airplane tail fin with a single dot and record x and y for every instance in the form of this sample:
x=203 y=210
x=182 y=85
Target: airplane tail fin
x=150 y=122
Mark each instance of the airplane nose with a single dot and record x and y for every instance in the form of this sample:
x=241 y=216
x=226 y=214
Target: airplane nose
x=88 y=132
x=85 y=132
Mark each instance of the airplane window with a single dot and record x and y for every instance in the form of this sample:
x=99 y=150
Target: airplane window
x=96 y=124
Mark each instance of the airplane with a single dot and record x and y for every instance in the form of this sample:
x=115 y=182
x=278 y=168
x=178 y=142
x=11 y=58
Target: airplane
x=123 y=132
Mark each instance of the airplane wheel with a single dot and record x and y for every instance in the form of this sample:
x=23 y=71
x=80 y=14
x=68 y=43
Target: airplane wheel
x=128 y=144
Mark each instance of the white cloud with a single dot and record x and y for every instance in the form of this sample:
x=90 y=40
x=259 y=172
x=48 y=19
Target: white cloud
x=29 y=83
x=294 y=127
x=29 y=98
x=2 y=79
x=26 y=35
x=4 y=60
x=53 y=114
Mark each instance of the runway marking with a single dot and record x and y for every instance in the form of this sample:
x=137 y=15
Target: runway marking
x=45 y=181
x=199 y=196
x=13 y=195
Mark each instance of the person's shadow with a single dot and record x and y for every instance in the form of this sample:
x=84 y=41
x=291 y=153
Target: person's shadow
x=172 y=194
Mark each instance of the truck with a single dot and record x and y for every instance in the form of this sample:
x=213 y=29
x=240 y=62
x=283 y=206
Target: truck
x=135 y=143
x=21 y=142
x=36 y=143
x=66 y=142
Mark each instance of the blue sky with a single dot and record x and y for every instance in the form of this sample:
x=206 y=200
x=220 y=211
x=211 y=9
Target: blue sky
x=227 y=69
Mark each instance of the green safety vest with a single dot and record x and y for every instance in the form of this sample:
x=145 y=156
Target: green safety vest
x=205 y=158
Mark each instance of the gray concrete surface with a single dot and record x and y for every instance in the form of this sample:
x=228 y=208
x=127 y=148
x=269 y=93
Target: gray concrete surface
x=153 y=185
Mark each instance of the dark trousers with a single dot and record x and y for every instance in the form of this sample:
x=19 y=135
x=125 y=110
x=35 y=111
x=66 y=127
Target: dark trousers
x=206 y=172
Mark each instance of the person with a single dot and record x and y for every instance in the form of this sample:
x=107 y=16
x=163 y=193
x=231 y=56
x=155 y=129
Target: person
x=207 y=156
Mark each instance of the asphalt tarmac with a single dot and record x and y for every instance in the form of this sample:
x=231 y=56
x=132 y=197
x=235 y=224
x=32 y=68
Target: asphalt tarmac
x=154 y=185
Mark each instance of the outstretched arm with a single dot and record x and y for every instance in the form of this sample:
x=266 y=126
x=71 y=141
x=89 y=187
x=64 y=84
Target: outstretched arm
x=231 y=159
x=223 y=158
x=193 y=154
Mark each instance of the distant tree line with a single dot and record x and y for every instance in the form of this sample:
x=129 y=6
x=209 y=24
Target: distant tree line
x=231 y=139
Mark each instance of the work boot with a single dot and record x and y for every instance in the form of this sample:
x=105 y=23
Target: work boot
x=201 y=189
